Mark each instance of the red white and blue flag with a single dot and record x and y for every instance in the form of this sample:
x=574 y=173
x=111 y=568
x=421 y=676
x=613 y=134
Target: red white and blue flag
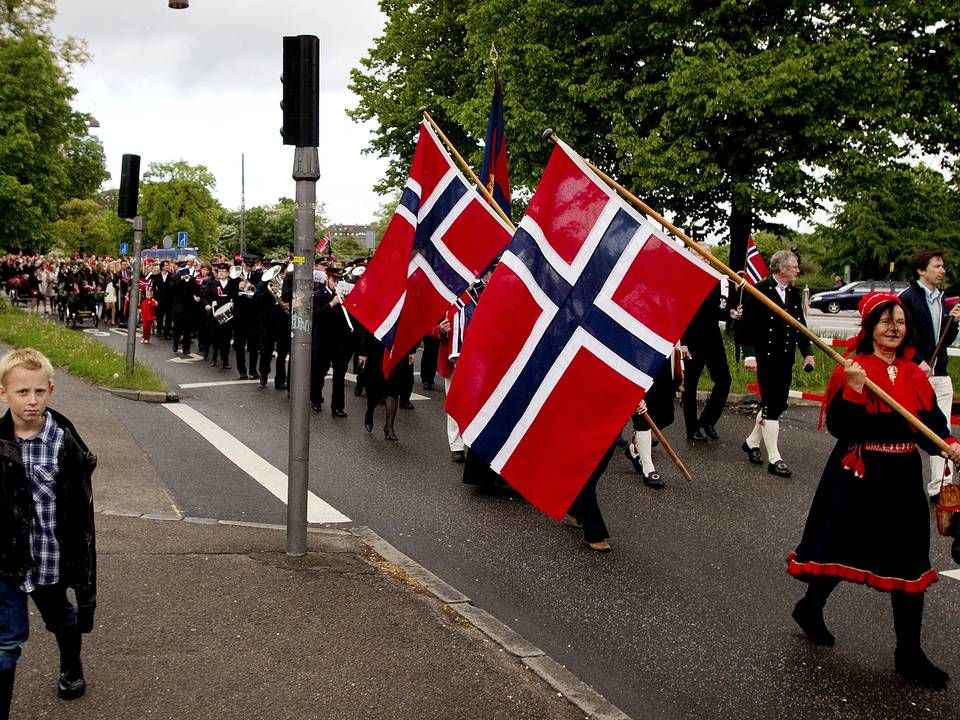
x=442 y=236
x=756 y=268
x=493 y=171
x=586 y=305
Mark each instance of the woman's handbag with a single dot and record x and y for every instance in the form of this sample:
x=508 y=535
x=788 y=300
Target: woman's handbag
x=947 y=504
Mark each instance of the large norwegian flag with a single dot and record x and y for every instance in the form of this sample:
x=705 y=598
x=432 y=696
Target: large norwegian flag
x=755 y=268
x=442 y=236
x=588 y=301
x=494 y=173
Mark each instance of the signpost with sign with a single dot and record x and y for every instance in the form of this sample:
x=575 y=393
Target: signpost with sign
x=124 y=249
x=182 y=238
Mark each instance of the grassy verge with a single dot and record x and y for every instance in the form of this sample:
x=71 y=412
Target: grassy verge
x=73 y=351
x=815 y=382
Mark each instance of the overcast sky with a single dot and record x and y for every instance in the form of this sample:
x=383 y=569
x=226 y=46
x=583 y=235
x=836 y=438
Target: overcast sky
x=203 y=85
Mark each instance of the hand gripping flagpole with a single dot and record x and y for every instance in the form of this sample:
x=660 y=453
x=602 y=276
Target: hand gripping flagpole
x=742 y=283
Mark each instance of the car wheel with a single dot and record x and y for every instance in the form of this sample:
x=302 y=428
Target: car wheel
x=833 y=307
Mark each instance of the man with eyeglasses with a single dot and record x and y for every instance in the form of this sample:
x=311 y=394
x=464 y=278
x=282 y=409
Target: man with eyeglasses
x=769 y=348
x=932 y=322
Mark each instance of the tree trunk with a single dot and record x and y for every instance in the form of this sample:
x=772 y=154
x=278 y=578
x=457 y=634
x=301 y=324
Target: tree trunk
x=740 y=226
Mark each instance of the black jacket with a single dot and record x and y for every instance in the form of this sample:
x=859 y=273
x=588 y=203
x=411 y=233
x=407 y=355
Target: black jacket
x=914 y=299
x=768 y=336
x=75 y=526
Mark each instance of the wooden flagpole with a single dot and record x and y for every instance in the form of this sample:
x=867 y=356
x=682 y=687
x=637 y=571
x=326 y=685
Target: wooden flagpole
x=757 y=295
x=496 y=206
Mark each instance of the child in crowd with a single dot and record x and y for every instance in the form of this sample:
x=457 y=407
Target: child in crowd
x=148 y=315
x=47 y=542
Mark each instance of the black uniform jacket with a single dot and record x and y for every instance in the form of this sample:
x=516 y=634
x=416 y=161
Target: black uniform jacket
x=75 y=526
x=767 y=336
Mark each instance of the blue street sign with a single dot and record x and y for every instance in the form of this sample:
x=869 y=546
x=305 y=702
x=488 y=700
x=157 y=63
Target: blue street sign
x=124 y=248
x=182 y=238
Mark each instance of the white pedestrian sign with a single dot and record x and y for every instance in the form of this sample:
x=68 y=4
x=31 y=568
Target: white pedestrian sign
x=182 y=238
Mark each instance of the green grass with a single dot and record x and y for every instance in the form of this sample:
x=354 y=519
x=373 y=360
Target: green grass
x=74 y=351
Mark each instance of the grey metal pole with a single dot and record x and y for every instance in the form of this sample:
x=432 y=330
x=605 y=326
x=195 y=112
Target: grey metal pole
x=134 y=293
x=243 y=208
x=306 y=171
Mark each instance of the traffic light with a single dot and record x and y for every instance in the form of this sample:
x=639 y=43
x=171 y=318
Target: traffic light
x=129 y=187
x=301 y=91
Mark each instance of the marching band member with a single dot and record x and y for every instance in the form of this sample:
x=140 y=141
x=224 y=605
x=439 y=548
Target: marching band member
x=218 y=293
x=246 y=323
x=274 y=319
x=332 y=329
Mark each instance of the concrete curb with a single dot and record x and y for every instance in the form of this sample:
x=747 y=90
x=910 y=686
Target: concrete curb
x=577 y=692
x=150 y=396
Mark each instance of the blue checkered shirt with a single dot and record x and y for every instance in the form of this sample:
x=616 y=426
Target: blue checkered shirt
x=39 y=454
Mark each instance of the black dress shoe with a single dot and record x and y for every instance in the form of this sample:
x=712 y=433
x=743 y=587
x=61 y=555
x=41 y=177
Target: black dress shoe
x=316 y=408
x=458 y=456
x=254 y=375
x=368 y=422
x=243 y=376
x=281 y=386
x=697 y=436
x=916 y=668
x=779 y=468
x=213 y=363
x=711 y=432
x=753 y=454
x=339 y=413
x=71 y=687
x=653 y=479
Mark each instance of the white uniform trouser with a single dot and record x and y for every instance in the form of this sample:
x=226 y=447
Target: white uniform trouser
x=453 y=432
x=943 y=387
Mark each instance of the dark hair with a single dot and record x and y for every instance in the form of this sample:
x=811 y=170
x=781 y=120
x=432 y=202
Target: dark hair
x=921 y=258
x=865 y=345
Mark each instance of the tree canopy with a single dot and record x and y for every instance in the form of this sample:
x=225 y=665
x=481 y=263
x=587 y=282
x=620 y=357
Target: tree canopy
x=177 y=196
x=723 y=113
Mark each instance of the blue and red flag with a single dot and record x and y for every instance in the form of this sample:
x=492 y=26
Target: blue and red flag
x=440 y=239
x=493 y=172
x=588 y=302
x=756 y=268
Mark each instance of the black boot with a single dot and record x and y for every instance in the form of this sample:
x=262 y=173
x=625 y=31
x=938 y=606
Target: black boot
x=808 y=612
x=71 y=684
x=6 y=691
x=909 y=659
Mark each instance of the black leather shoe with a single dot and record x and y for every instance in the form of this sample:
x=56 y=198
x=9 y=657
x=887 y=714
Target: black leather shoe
x=339 y=413
x=281 y=386
x=368 y=422
x=779 y=468
x=316 y=408
x=711 y=432
x=70 y=688
x=243 y=376
x=753 y=454
x=458 y=456
x=697 y=436
x=254 y=375
x=653 y=479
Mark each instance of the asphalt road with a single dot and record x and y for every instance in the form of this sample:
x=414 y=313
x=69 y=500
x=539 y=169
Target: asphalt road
x=688 y=617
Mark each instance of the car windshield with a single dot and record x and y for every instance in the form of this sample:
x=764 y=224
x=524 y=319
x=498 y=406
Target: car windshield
x=853 y=286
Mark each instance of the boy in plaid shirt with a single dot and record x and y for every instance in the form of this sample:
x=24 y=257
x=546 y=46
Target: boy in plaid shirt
x=47 y=540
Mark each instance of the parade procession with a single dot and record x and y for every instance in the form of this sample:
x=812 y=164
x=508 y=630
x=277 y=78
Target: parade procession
x=646 y=413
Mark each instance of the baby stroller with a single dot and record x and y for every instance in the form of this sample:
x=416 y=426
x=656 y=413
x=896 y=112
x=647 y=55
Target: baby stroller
x=83 y=304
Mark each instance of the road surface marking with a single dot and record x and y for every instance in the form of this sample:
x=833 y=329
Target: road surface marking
x=955 y=574
x=192 y=386
x=255 y=466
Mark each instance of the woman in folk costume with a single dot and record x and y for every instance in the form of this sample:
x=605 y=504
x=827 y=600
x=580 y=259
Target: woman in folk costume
x=869 y=522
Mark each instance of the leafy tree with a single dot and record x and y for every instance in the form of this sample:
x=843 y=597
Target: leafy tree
x=177 y=196
x=83 y=228
x=723 y=113
x=85 y=166
x=905 y=208
x=268 y=229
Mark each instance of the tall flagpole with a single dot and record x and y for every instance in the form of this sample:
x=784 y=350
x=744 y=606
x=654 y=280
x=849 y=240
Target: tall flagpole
x=759 y=296
x=243 y=208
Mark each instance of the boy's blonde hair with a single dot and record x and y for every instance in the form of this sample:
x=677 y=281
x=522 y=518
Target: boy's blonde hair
x=26 y=358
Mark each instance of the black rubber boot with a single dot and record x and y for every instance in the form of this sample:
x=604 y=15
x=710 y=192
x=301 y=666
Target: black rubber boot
x=71 y=683
x=909 y=659
x=6 y=692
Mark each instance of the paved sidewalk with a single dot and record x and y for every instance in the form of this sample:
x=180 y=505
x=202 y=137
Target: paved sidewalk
x=199 y=619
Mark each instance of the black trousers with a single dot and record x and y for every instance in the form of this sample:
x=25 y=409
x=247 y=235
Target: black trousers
x=774 y=375
x=320 y=364
x=164 y=319
x=428 y=360
x=709 y=355
x=246 y=342
x=182 y=331
x=585 y=507
x=274 y=336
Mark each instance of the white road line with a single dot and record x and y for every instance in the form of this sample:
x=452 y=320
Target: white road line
x=955 y=574
x=255 y=466
x=189 y=386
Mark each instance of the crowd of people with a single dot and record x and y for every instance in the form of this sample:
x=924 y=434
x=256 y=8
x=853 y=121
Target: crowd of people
x=243 y=308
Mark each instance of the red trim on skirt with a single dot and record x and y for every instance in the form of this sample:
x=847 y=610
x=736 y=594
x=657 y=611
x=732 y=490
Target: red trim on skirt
x=807 y=570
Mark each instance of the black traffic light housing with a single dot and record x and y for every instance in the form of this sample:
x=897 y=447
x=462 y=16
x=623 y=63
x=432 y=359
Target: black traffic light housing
x=301 y=91
x=129 y=187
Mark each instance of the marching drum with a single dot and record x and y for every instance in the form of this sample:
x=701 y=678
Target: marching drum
x=224 y=313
